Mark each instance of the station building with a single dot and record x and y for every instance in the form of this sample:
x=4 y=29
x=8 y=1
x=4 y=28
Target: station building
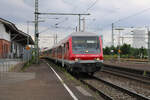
x=12 y=40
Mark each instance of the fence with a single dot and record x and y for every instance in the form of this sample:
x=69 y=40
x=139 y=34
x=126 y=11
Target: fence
x=8 y=66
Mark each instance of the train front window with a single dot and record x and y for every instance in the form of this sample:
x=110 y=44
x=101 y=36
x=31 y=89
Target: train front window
x=85 y=45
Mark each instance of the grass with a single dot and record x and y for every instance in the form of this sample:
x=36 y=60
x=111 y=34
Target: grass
x=110 y=57
x=68 y=75
x=27 y=65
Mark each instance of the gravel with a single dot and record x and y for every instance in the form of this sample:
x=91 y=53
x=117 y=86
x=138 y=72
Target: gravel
x=132 y=85
x=114 y=93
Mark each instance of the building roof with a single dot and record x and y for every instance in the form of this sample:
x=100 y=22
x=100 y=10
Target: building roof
x=16 y=34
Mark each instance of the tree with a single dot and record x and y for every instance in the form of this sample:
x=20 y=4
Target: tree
x=114 y=49
x=125 y=49
x=106 y=51
x=142 y=52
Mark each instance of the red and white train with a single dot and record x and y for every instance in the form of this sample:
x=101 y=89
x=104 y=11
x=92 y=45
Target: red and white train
x=79 y=52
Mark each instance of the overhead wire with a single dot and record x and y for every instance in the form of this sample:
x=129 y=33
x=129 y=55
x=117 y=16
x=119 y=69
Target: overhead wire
x=132 y=15
x=125 y=18
x=92 y=5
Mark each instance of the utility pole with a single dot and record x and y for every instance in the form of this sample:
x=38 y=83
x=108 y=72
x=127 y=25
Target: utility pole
x=119 y=29
x=83 y=24
x=119 y=46
x=112 y=34
x=36 y=33
x=76 y=28
x=36 y=27
x=27 y=27
x=79 y=23
x=122 y=39
x=28 y=40
x=148 y=44
x=56 y=38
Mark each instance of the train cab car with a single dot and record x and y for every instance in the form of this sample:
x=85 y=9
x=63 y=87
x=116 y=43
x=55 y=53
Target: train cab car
x=86 y=53
x=79 y=52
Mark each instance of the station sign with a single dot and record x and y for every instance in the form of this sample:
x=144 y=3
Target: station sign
x=27 y=48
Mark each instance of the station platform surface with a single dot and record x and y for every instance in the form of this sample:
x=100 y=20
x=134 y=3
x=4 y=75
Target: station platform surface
x=132 y=65
x=41 y=84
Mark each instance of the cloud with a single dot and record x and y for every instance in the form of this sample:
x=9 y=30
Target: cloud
x=103 y=13
x=15 y=10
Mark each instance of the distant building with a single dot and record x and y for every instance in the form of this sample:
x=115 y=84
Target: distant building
x=139 y=39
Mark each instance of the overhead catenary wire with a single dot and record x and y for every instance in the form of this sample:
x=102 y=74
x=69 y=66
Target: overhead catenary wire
x=92 y=5
x=125 y=18
x=135 y=14
x=88 y=8
x=66 y=19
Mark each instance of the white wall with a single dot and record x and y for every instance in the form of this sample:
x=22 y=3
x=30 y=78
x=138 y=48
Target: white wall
x=3 y=34
x=139 y=39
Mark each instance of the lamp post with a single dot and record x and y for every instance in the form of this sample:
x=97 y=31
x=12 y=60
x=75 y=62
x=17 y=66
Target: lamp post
x=119 y=29
x=148 y=47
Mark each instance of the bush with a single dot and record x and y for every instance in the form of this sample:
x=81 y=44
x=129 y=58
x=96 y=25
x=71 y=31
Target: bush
x=126 y=51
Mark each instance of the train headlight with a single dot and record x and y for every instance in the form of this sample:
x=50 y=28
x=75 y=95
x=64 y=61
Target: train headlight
x=76 y=59
x=97 y=59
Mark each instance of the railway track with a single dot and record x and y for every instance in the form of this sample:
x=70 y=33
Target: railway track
x=139 y=78
x=129 y=71
x=126 y=74
x=101 y=93
x=110 y=91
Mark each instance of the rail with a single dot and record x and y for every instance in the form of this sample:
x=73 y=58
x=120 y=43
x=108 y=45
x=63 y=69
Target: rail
x=132 y=93
x=101 y=93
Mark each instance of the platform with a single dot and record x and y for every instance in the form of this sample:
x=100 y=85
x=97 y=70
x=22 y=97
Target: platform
x=42 y=83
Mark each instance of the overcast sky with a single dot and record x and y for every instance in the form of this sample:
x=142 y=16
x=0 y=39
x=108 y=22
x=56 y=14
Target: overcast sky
x=103 y=13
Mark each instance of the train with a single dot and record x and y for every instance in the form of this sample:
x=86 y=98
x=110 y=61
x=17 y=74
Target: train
x=78 y=52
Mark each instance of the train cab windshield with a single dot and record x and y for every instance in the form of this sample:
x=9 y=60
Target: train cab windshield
x=85 y=45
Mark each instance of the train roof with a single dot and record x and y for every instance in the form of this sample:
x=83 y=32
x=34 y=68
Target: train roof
x=83 y=34
x=75 y=34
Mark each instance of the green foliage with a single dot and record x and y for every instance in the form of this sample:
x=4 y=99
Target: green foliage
x=126 y=51
x=107 y=51
x=27 y=64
